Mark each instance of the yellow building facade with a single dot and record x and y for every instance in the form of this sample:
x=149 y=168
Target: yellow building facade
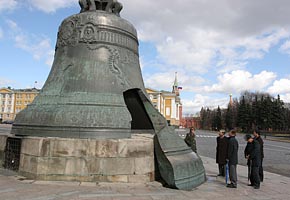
x=7 y=97
x=168 y=103
x=12 y=101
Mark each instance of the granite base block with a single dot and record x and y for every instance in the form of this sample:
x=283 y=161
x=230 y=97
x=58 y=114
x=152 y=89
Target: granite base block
x=89 y=160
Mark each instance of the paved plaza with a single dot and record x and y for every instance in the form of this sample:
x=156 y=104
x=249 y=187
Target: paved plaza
x=274 y=187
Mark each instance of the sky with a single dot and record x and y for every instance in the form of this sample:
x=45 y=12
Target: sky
x=217 y=48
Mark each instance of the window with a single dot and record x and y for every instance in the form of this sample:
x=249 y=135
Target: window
x=167 y=112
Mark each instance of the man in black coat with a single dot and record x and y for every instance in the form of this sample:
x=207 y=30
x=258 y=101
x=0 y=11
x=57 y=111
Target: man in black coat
x=221 y=152
x=255 y=157
x=233 y=147
x=247 y=152
x=261 y=142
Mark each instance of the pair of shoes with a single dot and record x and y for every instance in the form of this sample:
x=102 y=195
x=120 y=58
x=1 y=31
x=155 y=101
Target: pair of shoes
x=250 y=185
x=231 y=186
x=219 y=175
x=256 y=187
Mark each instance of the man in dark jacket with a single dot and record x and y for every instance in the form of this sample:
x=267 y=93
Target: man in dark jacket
x=247 y=152
x=221 y=152
x=233 y=147
x=261 y=142
x=255 y=157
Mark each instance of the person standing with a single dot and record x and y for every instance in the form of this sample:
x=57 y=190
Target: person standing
x=190 y=139
x=247 y=152
x=255 y=157
x=233 y=147
x=221 y=152
x=257 y=136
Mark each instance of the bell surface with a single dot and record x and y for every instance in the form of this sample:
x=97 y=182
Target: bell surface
x=96 y=61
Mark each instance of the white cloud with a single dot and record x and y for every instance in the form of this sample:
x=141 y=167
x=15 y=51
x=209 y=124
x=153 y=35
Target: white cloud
x=280 y=86
x=285 y=48
x=49 y=6
x=8 y=5
x=285 y=98
x=257 y=46
x=182 y=54
x=159 y=81
x=238 y=81
x=164 y=81
x=38 y=46
x=197 y=35
x=199 y=101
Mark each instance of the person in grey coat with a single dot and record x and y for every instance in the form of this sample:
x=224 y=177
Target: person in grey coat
x=233 y=147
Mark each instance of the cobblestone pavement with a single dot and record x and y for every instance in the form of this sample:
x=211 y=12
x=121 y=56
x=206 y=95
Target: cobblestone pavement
x=13 y=187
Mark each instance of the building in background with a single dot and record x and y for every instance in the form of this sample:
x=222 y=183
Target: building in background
x=7 y=98
x=12 y=101
x=188 y=122
x=168 y=103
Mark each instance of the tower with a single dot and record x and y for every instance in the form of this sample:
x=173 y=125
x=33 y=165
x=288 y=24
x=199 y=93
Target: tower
x=175 y=88
x=231 y=100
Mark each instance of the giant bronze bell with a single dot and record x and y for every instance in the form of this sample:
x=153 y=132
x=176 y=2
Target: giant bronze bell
x=95 y=90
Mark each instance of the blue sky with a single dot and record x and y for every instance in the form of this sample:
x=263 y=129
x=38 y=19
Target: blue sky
x=217 y=48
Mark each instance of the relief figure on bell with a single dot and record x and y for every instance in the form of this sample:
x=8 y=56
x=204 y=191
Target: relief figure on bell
x=87 y=5
x=112 y=6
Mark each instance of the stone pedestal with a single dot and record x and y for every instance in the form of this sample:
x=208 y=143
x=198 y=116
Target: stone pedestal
x=92 y=160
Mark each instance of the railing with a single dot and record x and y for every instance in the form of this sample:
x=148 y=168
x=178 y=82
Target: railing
x=12 y=153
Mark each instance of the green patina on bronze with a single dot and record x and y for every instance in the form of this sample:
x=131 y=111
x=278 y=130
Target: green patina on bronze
x=95 y=90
